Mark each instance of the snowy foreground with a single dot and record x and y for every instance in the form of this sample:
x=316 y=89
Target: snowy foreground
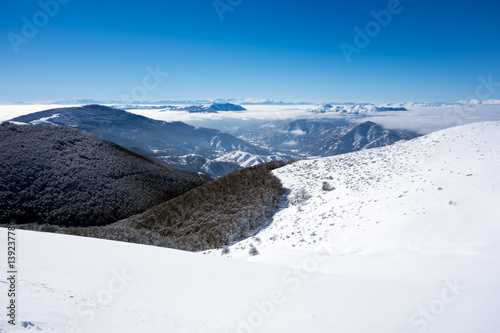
x=72 y=284
x=405 y=240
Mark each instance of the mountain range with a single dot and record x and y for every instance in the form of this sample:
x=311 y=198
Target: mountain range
x=214 y=152
x=253 y=101
x=247 y=101
x=360 y=109
x=316 y=137
x=208 y=108
x=194 y=108
x=176 y=143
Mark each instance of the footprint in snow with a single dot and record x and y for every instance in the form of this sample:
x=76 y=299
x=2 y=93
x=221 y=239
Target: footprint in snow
x=29 y=325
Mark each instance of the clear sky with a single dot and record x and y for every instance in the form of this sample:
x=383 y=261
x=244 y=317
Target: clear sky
x=281 y=49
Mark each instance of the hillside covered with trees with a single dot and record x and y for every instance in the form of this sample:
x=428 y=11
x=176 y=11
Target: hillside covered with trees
x=58 y=175
x=213 y=215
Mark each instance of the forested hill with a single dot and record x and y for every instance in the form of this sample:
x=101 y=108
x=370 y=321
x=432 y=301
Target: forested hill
x=214 y=215
x=64 y=176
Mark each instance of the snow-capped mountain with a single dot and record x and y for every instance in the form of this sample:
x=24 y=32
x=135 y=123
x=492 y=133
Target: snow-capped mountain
x=247 y=160
x=306 y=137
x=388 y=108
x=435 y=194
x=256 y=101
x=480 y=102
x=208 y=108
x=464 y=102
x=168 y=141
x=208 y=150
x=247 y=101
x=343 y=109
x=223 y=164
x=353 y=109
x=77 y=102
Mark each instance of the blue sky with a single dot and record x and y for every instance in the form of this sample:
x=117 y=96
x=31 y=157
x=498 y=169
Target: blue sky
x=286 y=50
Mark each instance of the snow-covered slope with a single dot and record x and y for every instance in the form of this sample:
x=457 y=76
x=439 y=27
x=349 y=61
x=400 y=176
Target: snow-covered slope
x=73 y=284
x=436 y=194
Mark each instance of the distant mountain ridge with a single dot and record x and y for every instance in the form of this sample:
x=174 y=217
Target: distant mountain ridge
x=211 y=108
x=166 y=141
x=345 y=108
x=194 y=108
x=249 y=101
x=217 y=153
x=356 y=109
x=321 y=137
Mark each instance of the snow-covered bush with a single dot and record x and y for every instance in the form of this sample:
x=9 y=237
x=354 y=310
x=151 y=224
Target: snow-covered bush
x=326 y=186
x=253 y=250
x=299 y=197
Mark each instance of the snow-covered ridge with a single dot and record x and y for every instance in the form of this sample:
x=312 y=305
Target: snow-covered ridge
x=245 y=101
x=345 y=108
x=246 y=160
x=480 y=102
x=356 y=109
x=208 y=108
x=436 y=194
x=193 y=108
x=45 y=120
